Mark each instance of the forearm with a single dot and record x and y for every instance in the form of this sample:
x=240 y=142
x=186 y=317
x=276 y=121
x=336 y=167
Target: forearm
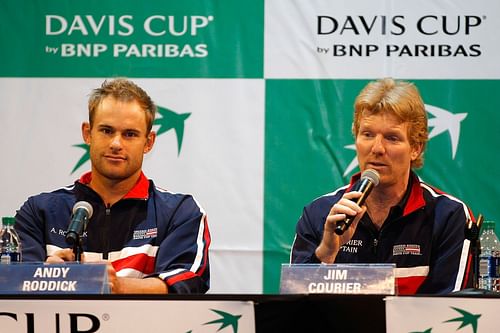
x=328 y=249
x=153 y=285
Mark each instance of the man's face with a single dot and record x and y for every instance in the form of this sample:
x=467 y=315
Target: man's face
x=382 y=144
x=117 y=139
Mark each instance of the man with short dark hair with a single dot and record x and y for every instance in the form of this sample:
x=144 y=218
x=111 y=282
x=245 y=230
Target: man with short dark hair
x=153 y=240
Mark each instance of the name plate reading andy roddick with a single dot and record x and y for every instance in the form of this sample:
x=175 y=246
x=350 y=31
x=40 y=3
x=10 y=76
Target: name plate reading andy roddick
x=41 y=278
x=338 y=279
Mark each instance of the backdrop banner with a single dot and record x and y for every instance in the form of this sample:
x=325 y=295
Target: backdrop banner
x=255 y=103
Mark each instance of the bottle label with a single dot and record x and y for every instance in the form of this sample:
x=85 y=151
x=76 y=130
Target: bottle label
x=489 y=267
x=7 y=258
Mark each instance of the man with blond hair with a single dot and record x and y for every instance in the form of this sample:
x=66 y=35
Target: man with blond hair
x=404 y=220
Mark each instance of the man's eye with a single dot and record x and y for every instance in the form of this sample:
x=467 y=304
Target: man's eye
x=367 y=134
x=393 y=138
x=130 y=134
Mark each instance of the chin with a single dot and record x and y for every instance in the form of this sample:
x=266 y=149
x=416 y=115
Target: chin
x=116 y=175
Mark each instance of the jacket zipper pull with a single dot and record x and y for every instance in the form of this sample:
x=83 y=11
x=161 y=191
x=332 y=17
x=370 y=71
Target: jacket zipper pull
x=375 y=244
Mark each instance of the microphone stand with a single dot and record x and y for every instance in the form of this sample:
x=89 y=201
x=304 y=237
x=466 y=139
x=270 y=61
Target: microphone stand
x=78 y=249
x=76 y=241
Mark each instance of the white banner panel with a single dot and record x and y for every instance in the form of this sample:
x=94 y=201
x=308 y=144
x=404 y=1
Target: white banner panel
x=218 y=157
x=365 y=39
x=107 y=316
x=443 y=314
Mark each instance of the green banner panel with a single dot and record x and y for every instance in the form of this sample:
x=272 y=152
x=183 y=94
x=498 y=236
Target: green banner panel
x=168 y=39
x=308 y=150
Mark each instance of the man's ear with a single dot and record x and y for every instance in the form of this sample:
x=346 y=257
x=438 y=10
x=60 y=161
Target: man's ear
x=86 y=132
x=416 y=151
x=150 y=141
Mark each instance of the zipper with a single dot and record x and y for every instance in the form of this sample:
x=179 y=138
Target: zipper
x=107 y=223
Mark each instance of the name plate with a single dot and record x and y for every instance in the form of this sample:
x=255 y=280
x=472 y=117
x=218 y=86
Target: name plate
x=41 y=278
x=338 y=279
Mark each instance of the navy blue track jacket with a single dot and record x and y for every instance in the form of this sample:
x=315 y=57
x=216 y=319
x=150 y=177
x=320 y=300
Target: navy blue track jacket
x=149 y=232
x=424 y=236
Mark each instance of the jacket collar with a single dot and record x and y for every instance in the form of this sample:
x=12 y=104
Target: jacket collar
x=139 y=191
x=411 y=201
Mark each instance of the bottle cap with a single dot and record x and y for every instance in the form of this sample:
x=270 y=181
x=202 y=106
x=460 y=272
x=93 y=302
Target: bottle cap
x=8 y=220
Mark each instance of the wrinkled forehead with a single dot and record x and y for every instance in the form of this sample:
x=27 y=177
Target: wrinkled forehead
x=386 y=121
x=387 y=112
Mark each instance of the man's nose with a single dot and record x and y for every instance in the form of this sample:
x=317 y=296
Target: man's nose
x=378 y=145
x=116 y=141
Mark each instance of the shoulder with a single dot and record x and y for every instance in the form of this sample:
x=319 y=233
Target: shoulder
x=327 y=200
x=318 y=209
x=52 y=206
x=171 y=199
x=442 y=201
x=57 y=197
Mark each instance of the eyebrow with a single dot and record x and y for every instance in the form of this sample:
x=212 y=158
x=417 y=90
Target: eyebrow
x=124 y=130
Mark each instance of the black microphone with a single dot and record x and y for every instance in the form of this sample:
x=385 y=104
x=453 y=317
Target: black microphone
x=82 y=211
x=369 y=179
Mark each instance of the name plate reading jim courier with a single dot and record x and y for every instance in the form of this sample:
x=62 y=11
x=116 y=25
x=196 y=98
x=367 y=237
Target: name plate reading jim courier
x=338 y=279
x=41 y=278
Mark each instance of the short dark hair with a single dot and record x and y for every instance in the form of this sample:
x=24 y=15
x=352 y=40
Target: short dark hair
x=123 y=90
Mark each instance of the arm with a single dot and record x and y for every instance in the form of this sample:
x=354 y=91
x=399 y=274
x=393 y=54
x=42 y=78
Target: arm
x=117 y=285
x=123 y=285
x=30 y=225
x=312 y=245
x=331 y=242
x=449 y=265
x=183 y=236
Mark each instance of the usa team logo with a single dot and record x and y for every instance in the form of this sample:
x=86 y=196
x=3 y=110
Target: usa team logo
x=406 y=249
x=145 y=233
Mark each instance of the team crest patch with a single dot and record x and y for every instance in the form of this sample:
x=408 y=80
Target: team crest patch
x=406 y=249
x=145 y=233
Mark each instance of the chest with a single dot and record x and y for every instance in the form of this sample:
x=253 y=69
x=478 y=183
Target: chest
x=406 y=242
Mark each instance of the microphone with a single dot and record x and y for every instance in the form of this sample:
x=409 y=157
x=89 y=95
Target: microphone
x=82 y=211
x=369 y=179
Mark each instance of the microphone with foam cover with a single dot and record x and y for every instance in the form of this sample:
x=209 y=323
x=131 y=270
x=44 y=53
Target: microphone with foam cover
x=82 y=212
x=369 y=179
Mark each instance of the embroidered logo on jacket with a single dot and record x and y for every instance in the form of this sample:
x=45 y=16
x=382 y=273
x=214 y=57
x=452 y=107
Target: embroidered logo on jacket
x=405 y=249
x=145 y=233
x=352 y=246
x=62 y=232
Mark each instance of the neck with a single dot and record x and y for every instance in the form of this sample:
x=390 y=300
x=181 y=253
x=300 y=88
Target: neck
x=386 y=196
x=382 y=198
x=112 y=190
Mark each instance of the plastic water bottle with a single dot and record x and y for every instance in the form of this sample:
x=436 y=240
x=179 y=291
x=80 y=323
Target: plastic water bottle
x=10 y=245
x=489 y=260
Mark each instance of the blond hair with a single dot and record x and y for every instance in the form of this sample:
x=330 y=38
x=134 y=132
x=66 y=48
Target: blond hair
x=400 y=99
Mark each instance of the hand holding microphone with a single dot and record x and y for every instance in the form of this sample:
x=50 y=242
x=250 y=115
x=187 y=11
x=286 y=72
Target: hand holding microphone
x=369 y=179
x=350 y=203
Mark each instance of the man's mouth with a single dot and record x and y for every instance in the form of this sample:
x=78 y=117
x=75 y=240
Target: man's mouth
x=114 y=157
x=376 y=164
